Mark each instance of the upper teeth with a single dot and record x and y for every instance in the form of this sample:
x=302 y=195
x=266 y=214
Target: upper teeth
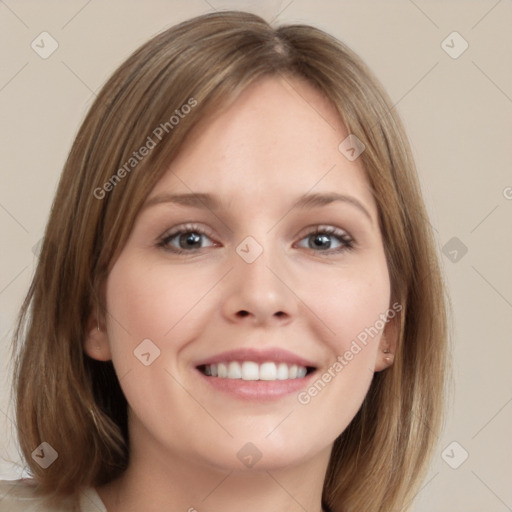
x=249 y=370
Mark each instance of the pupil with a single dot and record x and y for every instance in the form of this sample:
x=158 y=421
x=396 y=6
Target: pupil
x=322 y=241
x=191 y=239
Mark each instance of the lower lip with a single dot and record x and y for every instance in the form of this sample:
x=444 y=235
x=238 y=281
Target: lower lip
x=257 y=390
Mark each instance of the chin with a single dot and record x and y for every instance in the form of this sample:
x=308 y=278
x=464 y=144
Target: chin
x=260 y=454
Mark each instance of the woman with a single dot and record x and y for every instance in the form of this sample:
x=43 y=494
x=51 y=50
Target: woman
x=238 y=301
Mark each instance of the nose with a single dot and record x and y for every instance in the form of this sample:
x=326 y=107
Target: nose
x=259 y=293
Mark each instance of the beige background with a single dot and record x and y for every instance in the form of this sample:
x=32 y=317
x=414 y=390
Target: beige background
x=458 y=113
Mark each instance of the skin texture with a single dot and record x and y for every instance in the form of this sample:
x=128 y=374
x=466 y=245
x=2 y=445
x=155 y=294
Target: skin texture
x=276 y=142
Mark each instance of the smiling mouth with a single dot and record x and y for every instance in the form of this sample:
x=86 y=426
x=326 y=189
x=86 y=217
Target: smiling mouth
x=252 y=371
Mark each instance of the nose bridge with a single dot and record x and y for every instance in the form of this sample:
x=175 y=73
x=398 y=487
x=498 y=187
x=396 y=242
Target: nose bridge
x=255 y=261
x=259 y=290
x=257 y=274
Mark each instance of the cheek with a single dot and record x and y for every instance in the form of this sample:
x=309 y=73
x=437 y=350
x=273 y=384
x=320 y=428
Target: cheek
x=151 y=302
x=351 y=307
x=350 y=304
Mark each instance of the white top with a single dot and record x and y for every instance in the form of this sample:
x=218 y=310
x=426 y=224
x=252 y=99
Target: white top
x=19 y=496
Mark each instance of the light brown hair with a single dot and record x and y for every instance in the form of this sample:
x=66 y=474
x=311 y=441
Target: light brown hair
x=75 y=403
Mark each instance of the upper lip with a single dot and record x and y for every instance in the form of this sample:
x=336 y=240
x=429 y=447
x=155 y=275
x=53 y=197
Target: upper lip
x=277 y=355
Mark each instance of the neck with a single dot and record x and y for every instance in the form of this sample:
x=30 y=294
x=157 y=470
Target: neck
x=155 y=481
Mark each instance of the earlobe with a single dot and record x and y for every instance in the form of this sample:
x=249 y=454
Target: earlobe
x=96 y=343
x=385 y=359
x=387 y=346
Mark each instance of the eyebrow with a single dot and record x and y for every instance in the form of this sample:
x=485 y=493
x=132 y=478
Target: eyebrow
x=315 y=200
x=208 y=201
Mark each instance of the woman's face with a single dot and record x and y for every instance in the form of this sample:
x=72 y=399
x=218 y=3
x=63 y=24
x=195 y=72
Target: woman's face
x=230 y=269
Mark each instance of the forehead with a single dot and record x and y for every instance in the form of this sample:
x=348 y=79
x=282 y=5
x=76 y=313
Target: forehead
x=279 y=137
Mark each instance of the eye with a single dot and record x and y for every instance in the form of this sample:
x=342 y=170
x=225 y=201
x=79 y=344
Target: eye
x=327 y=239
x=189 y=238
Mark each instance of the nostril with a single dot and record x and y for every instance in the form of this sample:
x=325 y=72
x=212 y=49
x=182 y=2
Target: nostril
x=243 y=313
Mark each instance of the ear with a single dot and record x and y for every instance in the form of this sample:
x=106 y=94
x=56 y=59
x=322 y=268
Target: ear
x=388 y=344
x=96 y=343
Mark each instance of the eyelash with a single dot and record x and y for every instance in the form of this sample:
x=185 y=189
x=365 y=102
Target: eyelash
x=346 y=241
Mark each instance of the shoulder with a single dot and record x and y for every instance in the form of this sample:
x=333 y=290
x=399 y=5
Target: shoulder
x=17 y=495
x=21 y=496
